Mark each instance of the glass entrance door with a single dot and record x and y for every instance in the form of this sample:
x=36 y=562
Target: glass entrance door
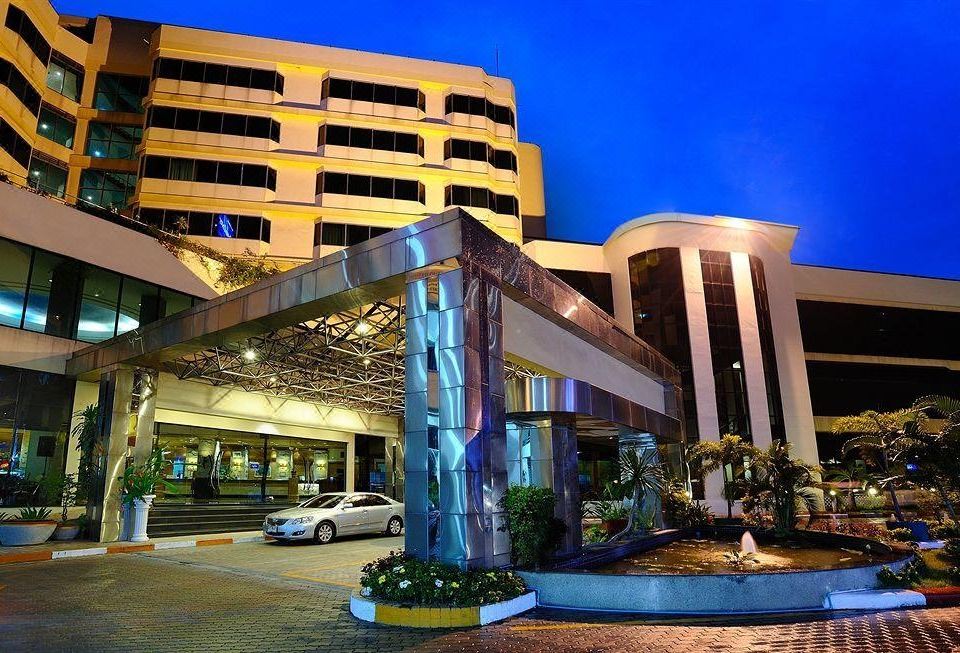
x=221 y=466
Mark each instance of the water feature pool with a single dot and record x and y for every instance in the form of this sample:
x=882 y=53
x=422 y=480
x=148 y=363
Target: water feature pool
x=691 y=556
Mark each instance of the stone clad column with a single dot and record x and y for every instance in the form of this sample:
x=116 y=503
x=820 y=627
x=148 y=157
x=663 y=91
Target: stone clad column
x=455 y=423
x=127 y=404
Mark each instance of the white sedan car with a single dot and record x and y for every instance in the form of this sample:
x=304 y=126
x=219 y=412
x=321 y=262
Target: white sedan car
x=327 y=516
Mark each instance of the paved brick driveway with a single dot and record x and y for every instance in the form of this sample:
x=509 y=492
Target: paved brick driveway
x=261 y=597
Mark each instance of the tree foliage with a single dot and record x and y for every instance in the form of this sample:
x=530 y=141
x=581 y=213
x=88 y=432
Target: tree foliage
x=534 y=531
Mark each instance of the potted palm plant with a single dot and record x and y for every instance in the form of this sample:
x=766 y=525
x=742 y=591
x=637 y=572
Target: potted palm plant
x=137 y=493
x=642 y=475
x=63 y=489
x=30 y=526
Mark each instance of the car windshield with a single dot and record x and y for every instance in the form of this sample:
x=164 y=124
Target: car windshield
x=323 y=501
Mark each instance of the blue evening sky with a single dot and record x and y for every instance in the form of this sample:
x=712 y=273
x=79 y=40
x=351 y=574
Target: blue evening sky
x=841 y=117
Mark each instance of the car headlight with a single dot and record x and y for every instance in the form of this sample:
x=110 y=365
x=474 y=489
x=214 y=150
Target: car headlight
x=301 y=520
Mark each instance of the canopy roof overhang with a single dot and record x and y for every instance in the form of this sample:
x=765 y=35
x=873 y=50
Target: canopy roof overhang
x=332 y=331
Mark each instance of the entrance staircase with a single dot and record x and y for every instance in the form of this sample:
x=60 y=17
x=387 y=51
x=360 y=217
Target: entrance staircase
x=171 y=519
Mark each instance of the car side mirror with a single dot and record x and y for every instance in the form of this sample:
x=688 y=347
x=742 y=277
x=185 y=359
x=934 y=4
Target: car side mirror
x=344 y=506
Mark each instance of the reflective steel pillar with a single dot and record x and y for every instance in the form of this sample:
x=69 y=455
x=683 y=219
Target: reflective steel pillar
x=455 y=422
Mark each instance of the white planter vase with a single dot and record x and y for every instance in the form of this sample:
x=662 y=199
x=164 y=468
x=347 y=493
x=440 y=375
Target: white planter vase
x=136 y=515
x=25 y=533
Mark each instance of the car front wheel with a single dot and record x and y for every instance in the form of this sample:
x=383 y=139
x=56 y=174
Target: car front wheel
x=324 y=533
x=394 y=526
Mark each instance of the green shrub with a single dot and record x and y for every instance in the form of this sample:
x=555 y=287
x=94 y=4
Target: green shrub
x=871 y=504
x=594 y=534
x=902 y=535
x=33 y=514
x=612 y=511
x=909 y=576
x=534 y=532
x=951 y=549
x=681 y=511
x=945 y=531
x=398 y=578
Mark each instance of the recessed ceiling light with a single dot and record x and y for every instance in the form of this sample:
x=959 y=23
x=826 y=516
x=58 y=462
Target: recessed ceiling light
x=250 y=355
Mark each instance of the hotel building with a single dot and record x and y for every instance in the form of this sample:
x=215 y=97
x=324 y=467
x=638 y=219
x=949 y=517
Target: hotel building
x=426 y=338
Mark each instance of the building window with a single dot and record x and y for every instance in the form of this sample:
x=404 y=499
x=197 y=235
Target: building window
x=107 y=140
x=107 y=188
x=14 y=144
x=214 y=122
x=120 y=92
x=660 y=318
x=481 y=198
x=339 y=183
x=210 y=172
x=215 y=73
x=346 y=89
x=371 y=139
x=595 y=286
x=200 y=223
x=344 y=235
x=48 y=175
x=56 y=126
x=21 y=24
x=726 y=350
x=864 y=330
x=65 y=77
x=60 y=296
x=35 y=412
x=456 y=148
x=479 y=106
x=768 y=353
x=21 y=88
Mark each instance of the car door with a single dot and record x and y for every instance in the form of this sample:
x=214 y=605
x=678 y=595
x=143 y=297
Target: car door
x=352 y=519
x=378 y=511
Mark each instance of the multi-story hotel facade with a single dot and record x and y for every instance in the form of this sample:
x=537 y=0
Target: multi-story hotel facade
x=436 y=355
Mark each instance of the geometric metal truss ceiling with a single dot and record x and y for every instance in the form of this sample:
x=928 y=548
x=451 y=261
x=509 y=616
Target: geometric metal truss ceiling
x=353 y=359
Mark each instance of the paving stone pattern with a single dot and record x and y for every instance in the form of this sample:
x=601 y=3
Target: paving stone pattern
x=215 y=601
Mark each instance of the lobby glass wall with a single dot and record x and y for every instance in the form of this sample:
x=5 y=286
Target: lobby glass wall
x=60 y=296
x=213 y=465
x=34 y=427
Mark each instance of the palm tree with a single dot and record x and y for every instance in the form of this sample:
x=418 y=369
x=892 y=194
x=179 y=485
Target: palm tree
x=642 y=474
x=887 y=438
x=853 y=477
x=939 y=455
x=786 y=483
x=730 y=454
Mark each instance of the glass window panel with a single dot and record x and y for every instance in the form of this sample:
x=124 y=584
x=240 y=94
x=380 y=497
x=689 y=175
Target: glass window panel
x=363 y=91
x=187 y=119
x=383 y=140
x=406 y=189
x=169 y=68
x=357 y=234
x=262 y=79
x=238 y=76
x=361 y=137
x=211 y=122
x=174 y=302
x=224 y=225
x=382 y=187
x=340 y=88
x=47 y=177
x=229 y=173
x=234 y=124
x=358 y=185
x=254 y=176
x=181 y=169
x=248 y=227
x=139 y=304
x=384 y=94
x=205 y=171
x=333 y=234
x=165 y=117
x=14 y=269
x=98 y=305
x=407 y=143
x=215 y=74
x=52 y=297
x=258 y=127
x=192 y=71
x=337 y=135
x=200 y=224
x=335 y=182
x=407 y=97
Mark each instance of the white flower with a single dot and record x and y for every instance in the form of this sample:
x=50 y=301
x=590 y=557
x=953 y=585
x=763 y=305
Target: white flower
x=398 y=569
x=438 y=582
x=365 y=591
x=404 y=584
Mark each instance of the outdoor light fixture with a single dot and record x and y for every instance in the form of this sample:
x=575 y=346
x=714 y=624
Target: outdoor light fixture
x=250 y=355
x=833 y=493
x=872 y=491
x=363 y=328
x=273 y=379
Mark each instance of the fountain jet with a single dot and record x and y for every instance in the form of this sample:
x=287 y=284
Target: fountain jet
x=747 y=543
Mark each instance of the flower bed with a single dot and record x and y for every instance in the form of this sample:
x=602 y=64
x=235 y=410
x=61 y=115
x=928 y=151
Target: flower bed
x=398 y=578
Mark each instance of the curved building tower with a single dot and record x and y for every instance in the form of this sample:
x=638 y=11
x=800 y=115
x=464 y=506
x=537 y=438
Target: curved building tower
x=715 y=295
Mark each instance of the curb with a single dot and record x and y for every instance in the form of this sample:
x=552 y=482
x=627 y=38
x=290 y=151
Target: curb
x=41 y=556
x=429 y=617
x=941 y=596
x=874 y=600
